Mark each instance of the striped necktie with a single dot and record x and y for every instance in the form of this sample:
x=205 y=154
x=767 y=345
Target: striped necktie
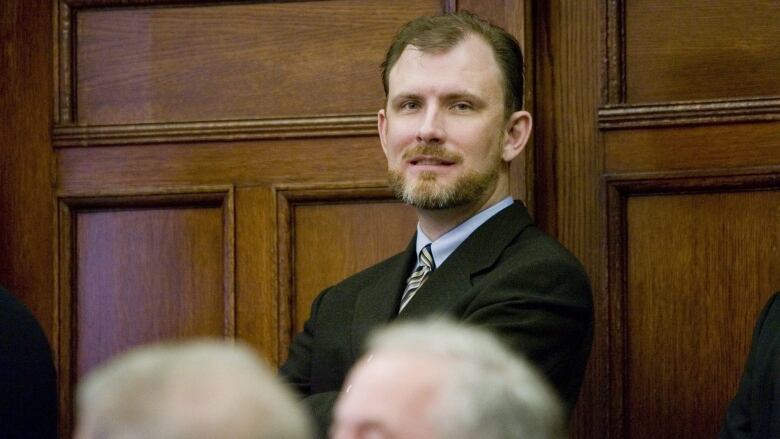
x=419 y=276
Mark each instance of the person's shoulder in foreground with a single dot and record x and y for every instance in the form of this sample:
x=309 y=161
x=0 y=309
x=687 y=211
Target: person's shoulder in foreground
x=28 y=381
x=754 y=413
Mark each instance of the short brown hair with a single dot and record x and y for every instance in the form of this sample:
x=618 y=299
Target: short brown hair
x=442 y=32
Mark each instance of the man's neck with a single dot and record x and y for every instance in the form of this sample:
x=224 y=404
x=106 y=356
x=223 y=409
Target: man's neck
x=437 y=222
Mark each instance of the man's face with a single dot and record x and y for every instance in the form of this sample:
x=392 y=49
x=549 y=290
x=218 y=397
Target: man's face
x=390 y=395
x=444 y=130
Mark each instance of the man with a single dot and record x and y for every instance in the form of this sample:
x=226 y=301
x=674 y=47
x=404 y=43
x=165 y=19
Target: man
x=195 y=390
x=754 y=412
x=441 y=380
x=452 y=122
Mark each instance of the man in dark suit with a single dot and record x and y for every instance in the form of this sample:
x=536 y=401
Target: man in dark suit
x=755 y=411
x=452 y=122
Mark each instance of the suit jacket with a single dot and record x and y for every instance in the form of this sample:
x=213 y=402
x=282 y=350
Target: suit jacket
x=755 y=410
x=507 y=276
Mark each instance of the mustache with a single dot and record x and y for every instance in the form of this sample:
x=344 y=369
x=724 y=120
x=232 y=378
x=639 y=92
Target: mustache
x=435 y=151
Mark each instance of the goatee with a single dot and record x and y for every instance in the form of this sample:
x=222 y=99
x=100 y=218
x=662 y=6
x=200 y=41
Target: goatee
x=430 y=194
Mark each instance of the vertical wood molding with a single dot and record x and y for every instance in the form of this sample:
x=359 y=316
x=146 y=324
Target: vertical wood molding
x=66 y=341
x=614 y=318
x=64 y=65
x=229 y=258
x=614 y=84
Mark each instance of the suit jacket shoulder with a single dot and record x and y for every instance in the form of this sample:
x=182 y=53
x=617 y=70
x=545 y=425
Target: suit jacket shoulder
x=753 y=413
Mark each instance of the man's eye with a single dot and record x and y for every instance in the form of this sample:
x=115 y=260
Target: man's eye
x=462 y=106
x=409 y=105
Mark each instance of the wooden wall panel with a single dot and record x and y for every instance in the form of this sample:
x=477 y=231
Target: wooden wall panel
x=699 y=269
x=689 y=108
x=257 y=272
x=352 y=159
x=334 y=241
x=26 y=174
x=718 y=147
x=568 y=162
x=138 y=268
x=144 y=275
x=235 y=61
x=701 y=50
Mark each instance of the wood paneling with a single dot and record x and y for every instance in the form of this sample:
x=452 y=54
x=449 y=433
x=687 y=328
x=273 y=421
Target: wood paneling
x=568 y=159
x=691 y=165
x=144 y=268
x=352 y=159
x=26 y=175
x=701 y=50
x=257 y=272
x=235 y=61
x=146 y=275
x=139 y=268
x=699 y=269
x=718 y=147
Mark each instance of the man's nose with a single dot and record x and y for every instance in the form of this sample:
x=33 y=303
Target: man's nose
x=431 y=129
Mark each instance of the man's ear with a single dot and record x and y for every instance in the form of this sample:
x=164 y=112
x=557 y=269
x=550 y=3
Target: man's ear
x=518 y=130
x=381 y=125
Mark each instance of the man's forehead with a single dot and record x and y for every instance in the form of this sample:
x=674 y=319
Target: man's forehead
x=470 y=57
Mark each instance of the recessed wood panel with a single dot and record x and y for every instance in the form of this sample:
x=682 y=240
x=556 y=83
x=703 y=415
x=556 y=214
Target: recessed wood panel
x=145 y=274
x=334 y=241
x=234 y=61
x=701 y=50
x=699 y=269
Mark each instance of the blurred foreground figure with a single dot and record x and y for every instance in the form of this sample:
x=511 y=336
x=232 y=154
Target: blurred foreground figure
x=437 y=380
x=197 y=390
x=28 y=382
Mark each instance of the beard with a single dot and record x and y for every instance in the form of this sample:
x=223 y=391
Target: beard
x=428 y=193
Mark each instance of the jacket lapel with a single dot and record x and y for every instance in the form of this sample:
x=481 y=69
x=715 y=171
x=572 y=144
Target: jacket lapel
x=378 y=303
x=480 y=251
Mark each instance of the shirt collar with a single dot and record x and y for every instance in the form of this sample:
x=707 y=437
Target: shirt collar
x=443 y=247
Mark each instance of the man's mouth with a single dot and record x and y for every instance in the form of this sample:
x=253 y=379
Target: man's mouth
x=431 y=156
x=430 y=161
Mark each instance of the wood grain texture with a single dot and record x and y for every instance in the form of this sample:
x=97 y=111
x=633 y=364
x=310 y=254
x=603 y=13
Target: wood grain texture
x=699 y=268
x=239 y=163
x=701 y=50
x=26 y=208
x=257 y=297
x=233 y=61
x=568 y=157
x=144 y=275
x=728 y=146
x=139 y=267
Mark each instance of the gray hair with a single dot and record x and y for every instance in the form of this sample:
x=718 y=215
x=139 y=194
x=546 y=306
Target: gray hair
x=492 y=393
x=203 y=389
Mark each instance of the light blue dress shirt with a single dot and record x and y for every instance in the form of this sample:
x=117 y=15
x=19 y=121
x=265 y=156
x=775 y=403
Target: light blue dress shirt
x=443 y=247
